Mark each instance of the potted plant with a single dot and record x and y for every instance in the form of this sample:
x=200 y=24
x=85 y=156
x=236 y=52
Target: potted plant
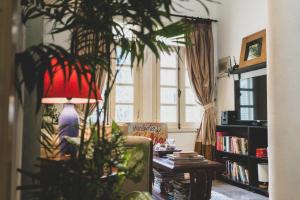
x=97 y=29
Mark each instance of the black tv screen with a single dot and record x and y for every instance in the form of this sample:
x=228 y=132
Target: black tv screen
x=251 y=98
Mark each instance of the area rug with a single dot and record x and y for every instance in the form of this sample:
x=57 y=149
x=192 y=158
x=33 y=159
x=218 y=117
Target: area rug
x=219 y=196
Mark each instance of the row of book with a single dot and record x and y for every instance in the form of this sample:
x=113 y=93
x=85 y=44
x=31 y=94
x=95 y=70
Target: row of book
x=236 y=172
x=231 y=144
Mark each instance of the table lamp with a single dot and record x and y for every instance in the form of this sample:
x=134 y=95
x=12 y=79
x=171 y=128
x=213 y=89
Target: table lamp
x=63 y=87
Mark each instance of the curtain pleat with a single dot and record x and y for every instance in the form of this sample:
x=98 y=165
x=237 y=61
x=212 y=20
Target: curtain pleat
x=200 y=64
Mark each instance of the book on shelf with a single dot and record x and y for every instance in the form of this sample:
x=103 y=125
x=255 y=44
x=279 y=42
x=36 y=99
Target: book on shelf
x=231 y=144
x=236 y=172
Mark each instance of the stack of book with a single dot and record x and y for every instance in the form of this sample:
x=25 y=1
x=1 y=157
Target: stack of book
x=232 y=144
x=179 y=158
x=163 y=182
x=173 y=186
x=237 y=172
x=181 y=189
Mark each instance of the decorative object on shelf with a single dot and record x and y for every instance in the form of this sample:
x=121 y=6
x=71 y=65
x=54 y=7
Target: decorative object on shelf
x=224 y=64
x=261 y=153
x=232 y=67
x=253 y=49
x=67 y=87
x=263 y=175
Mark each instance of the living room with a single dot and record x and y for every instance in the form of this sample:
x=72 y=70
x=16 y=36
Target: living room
x=226 y=103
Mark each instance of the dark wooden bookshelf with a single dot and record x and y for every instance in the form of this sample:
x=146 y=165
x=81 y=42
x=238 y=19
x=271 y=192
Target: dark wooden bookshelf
x=257 y=137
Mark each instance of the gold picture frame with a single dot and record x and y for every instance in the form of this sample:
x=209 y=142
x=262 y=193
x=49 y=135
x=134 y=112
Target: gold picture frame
x=253 y=49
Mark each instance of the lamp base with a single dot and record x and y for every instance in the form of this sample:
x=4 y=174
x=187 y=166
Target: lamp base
x=68 y=122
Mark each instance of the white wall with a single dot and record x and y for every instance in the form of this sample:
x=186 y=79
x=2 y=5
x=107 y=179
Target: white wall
x=284 y=97
x=237 y=19
x=184 y=141
x=194 y=8
x=62 y=39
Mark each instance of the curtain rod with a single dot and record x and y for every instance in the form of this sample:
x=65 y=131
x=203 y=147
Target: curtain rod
x=195 y=18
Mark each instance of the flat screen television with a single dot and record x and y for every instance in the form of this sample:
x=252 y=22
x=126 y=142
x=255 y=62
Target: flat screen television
x=251 y=98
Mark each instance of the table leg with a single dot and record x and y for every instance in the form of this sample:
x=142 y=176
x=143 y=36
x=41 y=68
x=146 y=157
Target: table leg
x=201 y=183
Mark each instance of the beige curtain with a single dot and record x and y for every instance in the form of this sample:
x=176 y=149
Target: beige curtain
x=200 y=64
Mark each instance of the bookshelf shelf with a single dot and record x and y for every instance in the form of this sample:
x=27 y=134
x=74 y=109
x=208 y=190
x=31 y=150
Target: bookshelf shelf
x=256 y=138
x=232 y=154
x=259 y=159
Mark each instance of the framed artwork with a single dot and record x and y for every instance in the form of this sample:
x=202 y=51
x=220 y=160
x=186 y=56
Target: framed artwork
x=253 y=49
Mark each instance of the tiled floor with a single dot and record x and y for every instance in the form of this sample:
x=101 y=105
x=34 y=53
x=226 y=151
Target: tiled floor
x=229 y=192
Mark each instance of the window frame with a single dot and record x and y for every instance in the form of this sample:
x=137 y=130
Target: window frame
x=136 y=93
x=238 y=99
x=181 y=124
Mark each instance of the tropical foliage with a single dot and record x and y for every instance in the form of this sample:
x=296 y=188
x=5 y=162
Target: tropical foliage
x=97 y=28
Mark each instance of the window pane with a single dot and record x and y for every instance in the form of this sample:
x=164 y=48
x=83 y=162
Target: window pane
x=247 y=113
x=186 y=79
x=193 y=113
x=93 y=117
x=168 y=95
x=246 y=83
x=124 y=94
x=168 y=77
x=168 y=113
x=169 y=61
x=125 y=75
x=246 y=98
x=124 y=60
x=190 y=97
x=124 y=113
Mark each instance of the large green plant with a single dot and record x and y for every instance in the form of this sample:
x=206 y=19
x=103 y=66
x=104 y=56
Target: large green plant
x=97 y=28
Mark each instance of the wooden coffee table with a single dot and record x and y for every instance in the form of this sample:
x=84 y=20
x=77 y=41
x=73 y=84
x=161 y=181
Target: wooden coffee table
x=201 y=175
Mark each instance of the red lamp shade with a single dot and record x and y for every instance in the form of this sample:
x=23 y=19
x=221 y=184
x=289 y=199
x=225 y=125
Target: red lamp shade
x=66 y=88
